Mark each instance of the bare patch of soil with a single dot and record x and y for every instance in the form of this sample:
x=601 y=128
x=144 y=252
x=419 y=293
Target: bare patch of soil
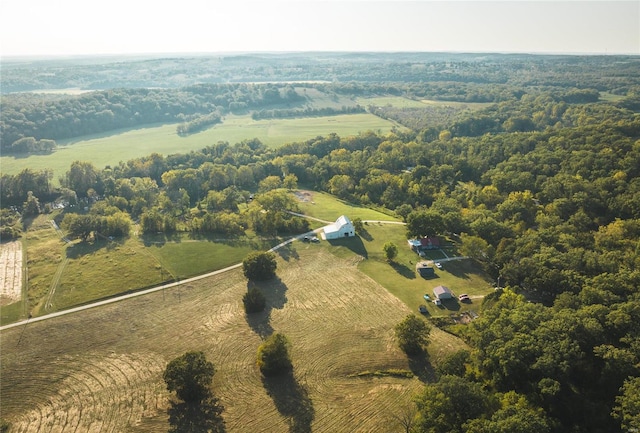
x=10 y=272
x=304 y=196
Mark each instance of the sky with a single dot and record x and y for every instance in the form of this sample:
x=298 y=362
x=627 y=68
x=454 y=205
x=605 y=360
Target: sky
x=81 y=27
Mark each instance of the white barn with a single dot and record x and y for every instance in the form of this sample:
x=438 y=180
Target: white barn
x=342 y=228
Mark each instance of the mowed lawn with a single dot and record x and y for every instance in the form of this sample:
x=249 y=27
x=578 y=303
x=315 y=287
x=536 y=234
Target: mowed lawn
x=123 y=145
x=400 y=276
x=101 y=370
x=328 y=207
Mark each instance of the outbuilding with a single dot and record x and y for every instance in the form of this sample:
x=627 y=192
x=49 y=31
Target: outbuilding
x=442 y=292
x=342 y=228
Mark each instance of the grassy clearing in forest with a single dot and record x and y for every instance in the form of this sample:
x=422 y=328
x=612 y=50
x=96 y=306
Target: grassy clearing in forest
x=400 y=276
x=328 y=207
x=101 y=370
x=122 y=145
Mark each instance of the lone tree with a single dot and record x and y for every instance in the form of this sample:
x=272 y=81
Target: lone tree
x=273 y=355
x=260 y=266
x=190 y=376
x=390 y=251
x=254 y=301
x=412 y=334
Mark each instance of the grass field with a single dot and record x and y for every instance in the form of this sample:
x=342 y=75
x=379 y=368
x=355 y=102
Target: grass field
x=329 y=208
x=123 y=145
x=63 y=275
x=400 y=276
x=400 y=102
x=101 y=370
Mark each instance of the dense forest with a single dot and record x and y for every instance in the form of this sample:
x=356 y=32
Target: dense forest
x=541 y=187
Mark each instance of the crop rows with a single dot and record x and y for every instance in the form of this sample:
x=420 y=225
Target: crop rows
x=101 y=370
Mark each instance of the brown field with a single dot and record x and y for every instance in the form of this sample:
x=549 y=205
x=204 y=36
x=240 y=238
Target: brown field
x=100 y=370
x=10 y=272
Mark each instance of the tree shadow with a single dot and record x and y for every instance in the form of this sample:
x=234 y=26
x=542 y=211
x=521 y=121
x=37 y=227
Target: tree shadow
x=404 y=270
x=274 y=291
x=27 y=223
x=421 y=367
x=458 y=269
x=451 y=304
x=89 y=247
x=288 y=252
x=292 y=401
x=260 y=322
x=364 y=234
x=354 y=243
x=197 y=417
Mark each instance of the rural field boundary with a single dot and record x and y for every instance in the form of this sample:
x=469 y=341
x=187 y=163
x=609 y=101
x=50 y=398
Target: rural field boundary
x=10 y=272
x=161 y=287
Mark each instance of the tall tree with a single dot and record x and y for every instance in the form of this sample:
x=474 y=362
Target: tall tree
x=190 y=376
x=81 y=177
x=259 y=266
x=412 y=334
x=273 y=355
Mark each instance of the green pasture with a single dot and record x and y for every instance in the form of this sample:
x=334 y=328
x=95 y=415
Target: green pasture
x=456 y=104
x=394 y=101
x=400 y=277
x=400 y=102
x=329 y=208
x=123 y=145
x=319 y=99
x=182 y=257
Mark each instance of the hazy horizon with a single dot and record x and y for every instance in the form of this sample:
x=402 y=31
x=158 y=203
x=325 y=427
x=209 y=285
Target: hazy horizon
x=39 y=28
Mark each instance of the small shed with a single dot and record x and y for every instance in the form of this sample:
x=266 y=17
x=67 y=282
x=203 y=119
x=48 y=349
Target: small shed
x=425 y=269
x=342 y=228
x=442 y=292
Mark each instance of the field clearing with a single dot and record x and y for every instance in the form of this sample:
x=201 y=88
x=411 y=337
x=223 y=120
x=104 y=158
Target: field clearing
x=395 y=101
x=328 y=207
x=456 y=104
x=10 y=272
x=400 y=277
x=100 y=370
x=123 y=145
x=400 y=102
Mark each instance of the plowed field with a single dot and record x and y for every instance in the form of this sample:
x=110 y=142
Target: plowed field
x=10 y=272
x=100 y=370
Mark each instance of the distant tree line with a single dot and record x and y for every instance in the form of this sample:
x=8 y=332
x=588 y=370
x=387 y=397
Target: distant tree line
x=198 y=124
x=306 y=112
x=29 y=122
x=619 y=72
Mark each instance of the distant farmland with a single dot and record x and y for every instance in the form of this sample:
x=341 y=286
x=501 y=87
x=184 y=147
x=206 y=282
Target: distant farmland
x=113 y=147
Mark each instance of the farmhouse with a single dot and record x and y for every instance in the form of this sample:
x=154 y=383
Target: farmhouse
x=425 y=270
x=342 y=228
x=428 y=243
x=442 y=292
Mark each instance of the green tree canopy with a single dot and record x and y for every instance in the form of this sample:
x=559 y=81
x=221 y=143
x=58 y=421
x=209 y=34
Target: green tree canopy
x=412 y=334
x=190 y=376
x=390 y=251
x=260 y=266
x=273 y=355
x=254 y=301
